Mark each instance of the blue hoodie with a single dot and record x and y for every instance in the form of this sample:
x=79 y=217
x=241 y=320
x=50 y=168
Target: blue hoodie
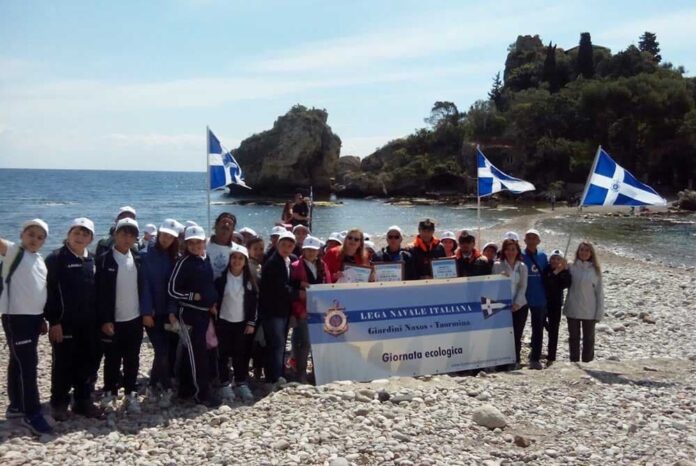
x=536 y=293
x=156 y=268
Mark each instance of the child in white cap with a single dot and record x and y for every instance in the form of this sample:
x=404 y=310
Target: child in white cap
x=72 y=317
x=22 y=300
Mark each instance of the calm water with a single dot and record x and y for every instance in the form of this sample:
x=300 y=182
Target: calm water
x=669 y=239
x=57 y=196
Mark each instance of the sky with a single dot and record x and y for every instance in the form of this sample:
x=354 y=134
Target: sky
x=132 y=85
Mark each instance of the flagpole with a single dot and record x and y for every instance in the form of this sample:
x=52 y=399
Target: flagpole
x=582 y=198
x=311 y=206
x=207 y=171
x=478 y=200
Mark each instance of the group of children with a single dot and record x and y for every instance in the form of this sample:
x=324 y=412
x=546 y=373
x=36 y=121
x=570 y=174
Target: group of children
x=205 y=302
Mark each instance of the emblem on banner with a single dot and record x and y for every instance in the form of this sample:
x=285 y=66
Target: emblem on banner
x=335 y=320
x=491 y=307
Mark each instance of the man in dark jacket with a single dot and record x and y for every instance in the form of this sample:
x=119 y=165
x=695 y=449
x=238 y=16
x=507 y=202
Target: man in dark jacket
x=393 y=252
x=425 y=249
x=276 y=294
x=470 y=261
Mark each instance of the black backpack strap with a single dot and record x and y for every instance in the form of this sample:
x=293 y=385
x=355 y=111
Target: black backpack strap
x=13 y=266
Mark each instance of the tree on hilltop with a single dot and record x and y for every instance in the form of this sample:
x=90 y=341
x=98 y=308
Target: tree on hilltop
x=586 y=56
x=648 y=43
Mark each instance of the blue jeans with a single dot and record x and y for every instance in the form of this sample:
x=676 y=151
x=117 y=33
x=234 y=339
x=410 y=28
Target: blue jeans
x=275 y=330
x=301 y=346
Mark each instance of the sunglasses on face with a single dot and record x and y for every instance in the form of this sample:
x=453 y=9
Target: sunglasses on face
x=353 y=238
x=393 y=237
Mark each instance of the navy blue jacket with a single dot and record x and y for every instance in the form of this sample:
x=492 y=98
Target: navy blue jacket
x=156 y=268
x=555 y=284
x=277 y=291
x=105 y=279
x=71 y=300
x=536 y=263
x=250 y=298
x=191 y=275
x=401 y=255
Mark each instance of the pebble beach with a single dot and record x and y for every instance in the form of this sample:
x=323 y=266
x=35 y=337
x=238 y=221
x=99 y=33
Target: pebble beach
x=635 y=404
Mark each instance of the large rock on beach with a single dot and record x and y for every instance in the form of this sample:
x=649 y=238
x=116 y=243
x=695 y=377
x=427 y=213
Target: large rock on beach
x=489 y=416
x=687 y=200
x=299 y=151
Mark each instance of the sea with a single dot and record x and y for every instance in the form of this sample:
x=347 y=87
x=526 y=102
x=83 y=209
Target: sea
x=57 y=196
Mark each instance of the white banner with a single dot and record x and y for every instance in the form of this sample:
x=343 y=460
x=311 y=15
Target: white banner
x=365 y=331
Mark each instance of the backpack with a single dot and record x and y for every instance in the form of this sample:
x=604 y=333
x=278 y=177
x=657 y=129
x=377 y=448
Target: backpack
x=10 y=271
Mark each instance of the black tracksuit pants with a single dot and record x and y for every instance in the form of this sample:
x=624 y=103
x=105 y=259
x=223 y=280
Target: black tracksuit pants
x=234 y=344
x=73 y=364
x=519 y=320
x=22 y=333
x=581 y=329
x=194 y=370
x=122 y=348
x=554 y=320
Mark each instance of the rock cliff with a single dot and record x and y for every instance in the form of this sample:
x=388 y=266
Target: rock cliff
x=298 y=152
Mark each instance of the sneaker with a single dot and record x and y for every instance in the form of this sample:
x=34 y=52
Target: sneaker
x=88 y=409
x=226 y=393
x=13 y=413
x=535 y=365
x=37 y=424
x=108 y=402
x=549 y=363
x=59 y=413
x=245 y=393
x=132 y=403
x=165 y=400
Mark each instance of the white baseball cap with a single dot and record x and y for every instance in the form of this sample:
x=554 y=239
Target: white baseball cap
x=300 y=227
x=83 y=222
x=180 y=227
x=37 y=222
x=490 y=245
x=343 y=235
x=190 y=223
x=370 y=245
x=311 y=242
x=126 y=209
x=366 y=237
x=448 y=235
x=556 y=252
x=127 y=222
x=278 y=230
x=533 y=231
x=287 y=235
x=395 y=228
x=150 y=229
x=169 y=226
x=238 y=248
x=511 y=235
x=335 y=236
x=194 y=232
x=248 y=231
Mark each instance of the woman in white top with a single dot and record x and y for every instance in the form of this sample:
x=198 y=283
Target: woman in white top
x=584 y=306
x=511 y=265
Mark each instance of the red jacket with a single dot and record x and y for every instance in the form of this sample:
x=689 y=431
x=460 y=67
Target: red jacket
x=334 y=261
x=298 y=272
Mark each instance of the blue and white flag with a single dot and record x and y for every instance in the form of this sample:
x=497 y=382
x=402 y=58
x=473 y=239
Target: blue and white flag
x=610 y=184
x=491 y=180
x=222 y=167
